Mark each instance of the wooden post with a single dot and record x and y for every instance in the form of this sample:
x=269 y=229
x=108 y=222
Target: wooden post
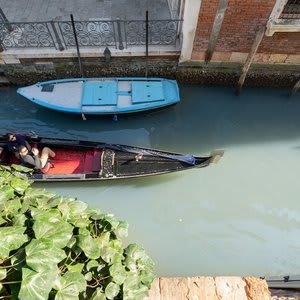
x=222 y=6
x=5 y=20
x=250 y=57
x=77 y=46
x=147 y=42
x=295 y=88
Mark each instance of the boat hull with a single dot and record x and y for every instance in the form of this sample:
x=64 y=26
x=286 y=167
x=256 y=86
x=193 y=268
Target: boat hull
x=104 y=96
x=96 y=161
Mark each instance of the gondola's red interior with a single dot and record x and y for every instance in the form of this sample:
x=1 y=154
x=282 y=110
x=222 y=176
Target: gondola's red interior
x=71 y=161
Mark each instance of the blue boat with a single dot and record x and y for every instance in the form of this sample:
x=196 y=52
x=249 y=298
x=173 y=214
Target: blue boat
x=103 y=96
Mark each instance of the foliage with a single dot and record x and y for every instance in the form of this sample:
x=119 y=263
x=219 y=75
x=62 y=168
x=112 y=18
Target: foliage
x=53 y=247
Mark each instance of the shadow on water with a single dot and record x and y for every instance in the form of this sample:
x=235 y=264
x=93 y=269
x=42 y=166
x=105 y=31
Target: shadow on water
x=205 y=119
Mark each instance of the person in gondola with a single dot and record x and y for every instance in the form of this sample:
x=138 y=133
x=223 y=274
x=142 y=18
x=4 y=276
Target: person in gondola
x=14 y=141
x=31 y=159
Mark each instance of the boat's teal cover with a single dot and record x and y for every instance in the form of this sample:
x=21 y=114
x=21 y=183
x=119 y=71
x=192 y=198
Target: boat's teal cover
x=147 y=91
x=100 y=93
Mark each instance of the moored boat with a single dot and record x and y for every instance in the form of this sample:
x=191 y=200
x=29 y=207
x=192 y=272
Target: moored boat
x=86 y=160
x=103 y=96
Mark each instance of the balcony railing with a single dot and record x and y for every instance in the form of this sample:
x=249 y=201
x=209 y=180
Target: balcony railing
x=291 y=10
x=119 y=34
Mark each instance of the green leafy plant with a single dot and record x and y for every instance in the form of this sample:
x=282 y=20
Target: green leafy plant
x=54 y=247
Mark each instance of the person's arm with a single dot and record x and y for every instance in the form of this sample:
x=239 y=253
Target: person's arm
x=27 y=146
x=34 y=161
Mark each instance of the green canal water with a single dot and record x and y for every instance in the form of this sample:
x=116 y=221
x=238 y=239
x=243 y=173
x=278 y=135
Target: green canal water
x=238 y=217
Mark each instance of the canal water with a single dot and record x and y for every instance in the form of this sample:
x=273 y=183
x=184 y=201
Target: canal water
x=240 y=216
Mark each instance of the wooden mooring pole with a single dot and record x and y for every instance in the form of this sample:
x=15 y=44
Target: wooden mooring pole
x=256 y=43
x=147 y=42
x=77 y=46
x=5 y=21
x=295 y=88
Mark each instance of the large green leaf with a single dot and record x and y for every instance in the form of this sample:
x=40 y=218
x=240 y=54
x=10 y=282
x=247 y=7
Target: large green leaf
x=133 y=289
x=19 y=184
x=34 y=195
x=118 y=273
x=19 y=219
x=73 y=208
x=50 y=226
x=43 y=255
x=69 y=286
x=94 y=213
x=75 y=212
x=135 y=294
x=21 y=168
x=111 y=255
x=122 y=229
x=111 y=220
x=37 y=285
x=12 y=238
x=112 y=290
x=137 y=261
x=6 y=192
x=132 y=282
x=135 y=252
x=112 y=252
x=10 y=207
x=48 y=201
x=89 y=245
x=50 y=215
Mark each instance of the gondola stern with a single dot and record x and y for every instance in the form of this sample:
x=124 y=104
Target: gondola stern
x=216 y=156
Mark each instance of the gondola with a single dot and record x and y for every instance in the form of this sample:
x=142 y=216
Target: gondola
x=77 y=160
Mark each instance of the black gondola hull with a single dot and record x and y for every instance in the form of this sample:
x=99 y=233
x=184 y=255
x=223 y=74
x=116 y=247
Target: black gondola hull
x=91 y=161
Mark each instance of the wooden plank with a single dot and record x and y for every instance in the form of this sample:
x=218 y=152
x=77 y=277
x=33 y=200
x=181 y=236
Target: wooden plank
x=255 y=45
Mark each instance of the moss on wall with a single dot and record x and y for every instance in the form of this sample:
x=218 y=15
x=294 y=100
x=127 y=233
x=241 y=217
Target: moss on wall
x=32 y=71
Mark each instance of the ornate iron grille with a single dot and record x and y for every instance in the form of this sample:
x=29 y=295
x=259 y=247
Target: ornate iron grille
x=161 y=32
x=291 y=10
x=89 y=33
x=26 y=35
x=113 y=33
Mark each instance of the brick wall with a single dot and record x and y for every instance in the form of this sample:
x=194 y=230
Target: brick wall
x=241 y=21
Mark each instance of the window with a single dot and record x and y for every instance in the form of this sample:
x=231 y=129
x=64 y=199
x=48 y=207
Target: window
x=291 y=10
x=285 y=17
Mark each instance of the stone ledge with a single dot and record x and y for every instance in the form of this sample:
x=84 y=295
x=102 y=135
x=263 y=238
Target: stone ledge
x=240 y=57
x=209 y=288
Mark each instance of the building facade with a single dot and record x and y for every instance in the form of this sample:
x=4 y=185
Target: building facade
x=241 y=20
x=201 y=41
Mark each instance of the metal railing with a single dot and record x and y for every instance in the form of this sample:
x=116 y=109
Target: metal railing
x=119 y=34
x=291 y=10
